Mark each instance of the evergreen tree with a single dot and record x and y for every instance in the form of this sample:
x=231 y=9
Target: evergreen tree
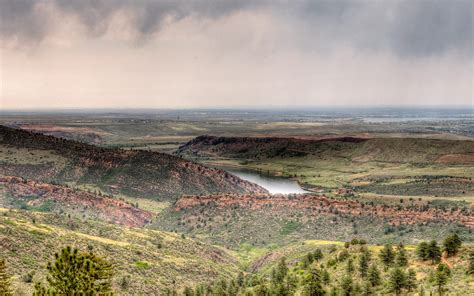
x=40 y=290
x=240 y=279
x=262 y=290
x=325 y=277
x=347 y=286
x=421 y=291
x=75 y=273
x=452 y=244
x=397 y=280
x=313 y=286
x=401 y=259
x=281 y=271
x=291 y=282
x=5 y=288
x=318 y=255
x=364 y=263
x=350 y=266
x=367 y=289
x=220 y=288
x=374 y=275
x=188 y=291
x=308 y=259
x=434 y=252
x=232 y=288
x=411 y=280
x=387 y=255
x=441 y=277
x=422 y=251
x=470 y=268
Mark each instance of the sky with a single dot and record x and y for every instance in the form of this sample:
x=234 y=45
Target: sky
x=185 y=54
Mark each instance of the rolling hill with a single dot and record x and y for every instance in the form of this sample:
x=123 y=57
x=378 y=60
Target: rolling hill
x=146 y=261
x=129 y=172
x=16 y=192
x=390 y=166
x=264 y=219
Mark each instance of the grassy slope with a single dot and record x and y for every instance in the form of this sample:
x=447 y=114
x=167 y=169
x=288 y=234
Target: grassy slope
x=458 y=284
x=235 y=225
x=372 y=165
x=153 y=259
x=133 y=173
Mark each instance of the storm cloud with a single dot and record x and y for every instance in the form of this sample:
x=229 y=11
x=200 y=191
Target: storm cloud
x=140 y=53
x=411 y=27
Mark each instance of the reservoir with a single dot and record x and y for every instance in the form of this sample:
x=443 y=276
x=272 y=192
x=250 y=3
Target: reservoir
x=272 y=183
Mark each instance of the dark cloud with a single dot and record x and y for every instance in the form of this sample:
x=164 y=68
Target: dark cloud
x=433 y=27
x=408 y=28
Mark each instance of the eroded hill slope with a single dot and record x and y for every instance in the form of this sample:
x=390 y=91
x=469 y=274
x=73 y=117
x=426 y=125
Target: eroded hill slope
x=131 y=172
x=37 y=196
x=265 y=219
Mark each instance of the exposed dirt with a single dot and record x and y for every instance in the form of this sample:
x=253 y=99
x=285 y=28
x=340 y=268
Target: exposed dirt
x=106 y=208
x=456 y=159
x=319 y=205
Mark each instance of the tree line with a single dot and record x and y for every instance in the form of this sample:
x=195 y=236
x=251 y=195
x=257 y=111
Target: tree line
x=73 y=272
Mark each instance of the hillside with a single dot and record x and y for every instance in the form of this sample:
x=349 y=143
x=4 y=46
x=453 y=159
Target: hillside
x=16 y=192
x=262 y=220
x=392 y=166
x=358 y=149
x=148 y=261
x=128 y=172
x=350 y=268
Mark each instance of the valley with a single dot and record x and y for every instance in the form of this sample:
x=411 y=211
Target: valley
x=179 y=205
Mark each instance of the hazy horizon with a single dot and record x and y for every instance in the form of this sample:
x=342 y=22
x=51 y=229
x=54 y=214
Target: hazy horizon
x=62 y=54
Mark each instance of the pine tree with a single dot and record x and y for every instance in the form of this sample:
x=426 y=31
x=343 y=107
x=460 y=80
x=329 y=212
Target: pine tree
x=318 y=255
x=78 y=273
x=421 y=291
x=262 y=290
x=350 y=266
x=347 y=286
x=188 y=291
x=40 y=290
x=367 y=289
x=313 y=285
x=240 y=279
x=364 y=263
x=397 y=280
x=308 y=259
x=434 y=252
x=411 y=280
x=374 y=275
x=452 y=244
x=401 y=259
x=470 y=268
x=325 y=277
x=281 y=271
x=5 y=288
x=422 y=251
x=441 y=277
x=232 y=288
x=387 y=255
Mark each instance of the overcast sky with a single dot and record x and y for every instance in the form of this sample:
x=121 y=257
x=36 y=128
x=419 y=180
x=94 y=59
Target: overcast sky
x=132 y=53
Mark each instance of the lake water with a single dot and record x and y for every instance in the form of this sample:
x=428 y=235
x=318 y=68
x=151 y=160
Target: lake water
x=271 y=183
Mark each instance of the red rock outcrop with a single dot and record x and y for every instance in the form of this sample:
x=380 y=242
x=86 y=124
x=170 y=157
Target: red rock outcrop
x=105 y=208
